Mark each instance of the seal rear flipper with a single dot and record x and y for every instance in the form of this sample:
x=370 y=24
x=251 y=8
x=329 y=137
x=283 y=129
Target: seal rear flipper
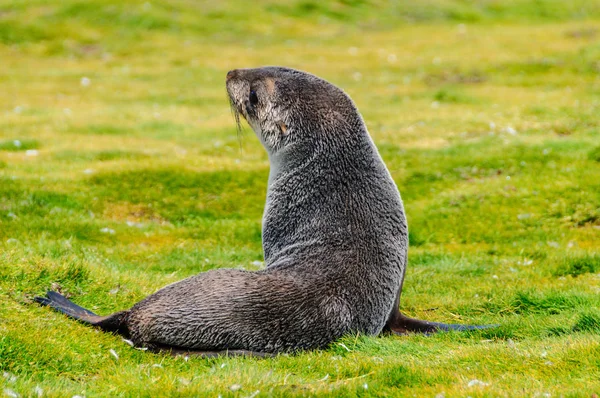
x=401 y=324
x=111 y=323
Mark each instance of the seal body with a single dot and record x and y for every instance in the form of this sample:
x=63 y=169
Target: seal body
x=334 y=233
x=335 y=237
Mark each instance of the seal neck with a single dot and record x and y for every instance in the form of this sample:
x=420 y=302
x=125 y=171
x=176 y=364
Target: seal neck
x=329 y=147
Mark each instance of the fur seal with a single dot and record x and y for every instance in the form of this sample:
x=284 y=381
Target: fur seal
x=335 y=238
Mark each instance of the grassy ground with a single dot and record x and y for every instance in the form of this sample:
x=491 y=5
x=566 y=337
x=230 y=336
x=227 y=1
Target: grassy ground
x=121 y=171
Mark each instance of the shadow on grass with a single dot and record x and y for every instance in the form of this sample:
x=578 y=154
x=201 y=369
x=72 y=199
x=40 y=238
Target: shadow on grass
x=586 y=322
x=180 y=195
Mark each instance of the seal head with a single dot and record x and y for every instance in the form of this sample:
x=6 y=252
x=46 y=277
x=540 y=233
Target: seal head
x=284 y=106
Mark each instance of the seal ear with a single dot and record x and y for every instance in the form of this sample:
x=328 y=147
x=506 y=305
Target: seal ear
x=282 y=127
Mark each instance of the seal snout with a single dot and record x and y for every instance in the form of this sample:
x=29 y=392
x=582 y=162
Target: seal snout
x=231 y=74
x=234 y=84
x=238 y=90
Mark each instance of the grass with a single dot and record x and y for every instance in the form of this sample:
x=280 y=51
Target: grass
x=121 y=171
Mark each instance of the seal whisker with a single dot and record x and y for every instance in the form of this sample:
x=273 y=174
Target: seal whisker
x=236 y=115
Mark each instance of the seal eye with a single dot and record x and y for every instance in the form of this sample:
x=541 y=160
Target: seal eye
x=253 y=97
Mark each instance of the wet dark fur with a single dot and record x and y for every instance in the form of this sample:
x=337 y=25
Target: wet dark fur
x=335 y=238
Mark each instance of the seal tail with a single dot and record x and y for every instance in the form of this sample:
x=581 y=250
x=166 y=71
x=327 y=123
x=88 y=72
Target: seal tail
x=401 y=324
x=111 y=323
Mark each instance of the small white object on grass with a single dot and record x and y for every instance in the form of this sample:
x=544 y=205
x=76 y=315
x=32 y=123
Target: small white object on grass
x=184 y=381
x=107 y=231
x=32 y=152
x=85 y=81
x=11 y=378
x=235 y=387
x=128 y=342
x=17 y=143
x=114 y=354
x=344 y=346
x=10 y=393
x=88 y=171
x=476 y=382
x=38 y=391
x=135 y=224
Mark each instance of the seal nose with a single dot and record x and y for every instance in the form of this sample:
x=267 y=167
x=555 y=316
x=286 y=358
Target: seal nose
x=231 y=74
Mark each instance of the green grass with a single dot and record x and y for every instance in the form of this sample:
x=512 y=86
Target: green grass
x=121 y=171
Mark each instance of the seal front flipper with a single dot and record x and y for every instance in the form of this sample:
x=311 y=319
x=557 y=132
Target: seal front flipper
x=401 y=324
x=111 y=323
